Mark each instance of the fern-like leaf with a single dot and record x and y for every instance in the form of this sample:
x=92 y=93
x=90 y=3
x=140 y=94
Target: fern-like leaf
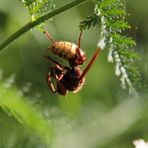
x=14 y=104
x=113 y=26
x=38 y=8
x=90 y=20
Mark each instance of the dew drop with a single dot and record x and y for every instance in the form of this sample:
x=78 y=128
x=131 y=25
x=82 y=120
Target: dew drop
x=38 y=94
x=46 y=113
x=9 y=81
x=20 y=93
x=27 y=87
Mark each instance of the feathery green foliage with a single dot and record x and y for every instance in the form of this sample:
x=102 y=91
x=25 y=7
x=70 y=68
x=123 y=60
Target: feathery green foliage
x=112 y=14
x=13 y=103
x=73 y=118
x=38 y=8
x=37 y=23
x=90 y=21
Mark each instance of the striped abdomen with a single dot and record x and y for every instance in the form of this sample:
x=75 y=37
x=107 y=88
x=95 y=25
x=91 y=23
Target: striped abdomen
x=65 y=50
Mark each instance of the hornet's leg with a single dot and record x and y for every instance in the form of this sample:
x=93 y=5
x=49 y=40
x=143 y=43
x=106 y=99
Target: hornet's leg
x=90 y=64
x=53 y=61
x=61 y=89
x=49 y=36
x=50 y=84
x=58 y=71
x=78 y=48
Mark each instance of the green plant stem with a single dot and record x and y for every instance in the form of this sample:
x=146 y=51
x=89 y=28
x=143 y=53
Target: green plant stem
x=41 y=19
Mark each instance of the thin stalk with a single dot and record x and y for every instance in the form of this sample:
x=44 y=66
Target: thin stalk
x=41 y=19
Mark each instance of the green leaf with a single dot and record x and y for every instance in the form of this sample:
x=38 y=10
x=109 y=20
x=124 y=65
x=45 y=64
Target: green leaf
x=107 y=3
x=120 y=39
x=114 y=25
x=38 y=8
x=89 y=21
x=114 y=12
x=16 y=105
x=117 y=25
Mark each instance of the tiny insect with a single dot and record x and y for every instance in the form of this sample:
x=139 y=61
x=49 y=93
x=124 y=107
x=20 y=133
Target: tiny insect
x=68 y=50
x=67 y=78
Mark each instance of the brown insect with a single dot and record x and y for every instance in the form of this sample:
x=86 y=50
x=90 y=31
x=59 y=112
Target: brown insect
x=67 y=78
x=68 y=50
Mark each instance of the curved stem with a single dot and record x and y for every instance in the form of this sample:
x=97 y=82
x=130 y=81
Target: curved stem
x=31 y=24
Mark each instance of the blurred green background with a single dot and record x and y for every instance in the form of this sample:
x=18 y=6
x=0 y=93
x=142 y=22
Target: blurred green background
x=101 y=115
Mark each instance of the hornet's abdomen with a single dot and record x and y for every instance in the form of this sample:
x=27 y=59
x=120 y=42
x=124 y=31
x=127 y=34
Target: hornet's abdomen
x=65 y=50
